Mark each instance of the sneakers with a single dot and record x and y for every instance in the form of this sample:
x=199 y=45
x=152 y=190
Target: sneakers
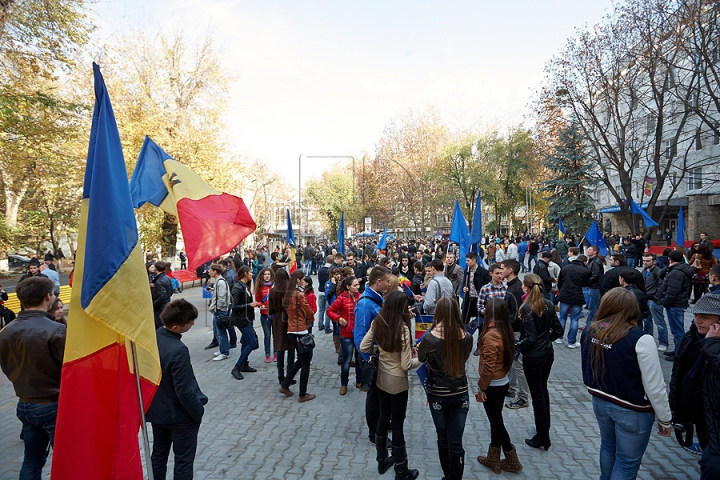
x=694 y=449
x=267 y=358
x=517 y=403
x=662 y=348
x=274 y=358
x=559 y=341
x=574 y=345
x=221 y=357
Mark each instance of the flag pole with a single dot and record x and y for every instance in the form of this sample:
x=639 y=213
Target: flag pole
x=146 y=442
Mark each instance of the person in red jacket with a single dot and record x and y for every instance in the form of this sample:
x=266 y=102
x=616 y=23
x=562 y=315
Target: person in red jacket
x=342 y=311
x=263 y=284
x=310 y=293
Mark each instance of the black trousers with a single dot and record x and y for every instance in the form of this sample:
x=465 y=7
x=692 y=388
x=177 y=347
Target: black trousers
x=372 y=410
x=281 y=362
x=495 y=396
x=302 y=363
x=183 y=438
x=392 y=406
x=537 y=372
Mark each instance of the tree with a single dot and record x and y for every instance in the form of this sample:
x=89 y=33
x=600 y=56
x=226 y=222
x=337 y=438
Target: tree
x=332 y=195
x=567 y=183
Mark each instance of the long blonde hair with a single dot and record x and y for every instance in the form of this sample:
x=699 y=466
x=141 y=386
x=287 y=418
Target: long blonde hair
x=534 y=298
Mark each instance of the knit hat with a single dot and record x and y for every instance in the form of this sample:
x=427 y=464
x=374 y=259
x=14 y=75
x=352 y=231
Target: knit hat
x=708 y=304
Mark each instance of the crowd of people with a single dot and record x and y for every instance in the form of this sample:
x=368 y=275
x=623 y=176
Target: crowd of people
x=367 y=298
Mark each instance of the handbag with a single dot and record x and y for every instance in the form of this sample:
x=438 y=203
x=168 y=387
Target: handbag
x=223 y=320
x=306 y=343
x=369 y=374
x=697 y=263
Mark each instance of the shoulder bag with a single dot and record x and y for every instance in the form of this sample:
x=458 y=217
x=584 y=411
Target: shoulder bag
x=306 y=343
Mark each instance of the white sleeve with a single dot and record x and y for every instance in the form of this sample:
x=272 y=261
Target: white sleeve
x=652 y=378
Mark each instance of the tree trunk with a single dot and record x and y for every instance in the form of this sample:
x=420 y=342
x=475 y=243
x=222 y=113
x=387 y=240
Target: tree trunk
x=169 y=235
x=12 y=202
x=70 y=244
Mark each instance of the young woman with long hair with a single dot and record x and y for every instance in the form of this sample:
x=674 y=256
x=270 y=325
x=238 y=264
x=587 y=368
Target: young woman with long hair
x=701 y=279
x=342 y=312
x=263 y=286
x=445 y=350
x=622 y=372
x=299 y=321
x=277 y=312
x=391 y=332
x=496 y=345
x=536 y=337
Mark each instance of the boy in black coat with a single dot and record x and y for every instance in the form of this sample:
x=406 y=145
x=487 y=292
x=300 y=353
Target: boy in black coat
x=177 y=408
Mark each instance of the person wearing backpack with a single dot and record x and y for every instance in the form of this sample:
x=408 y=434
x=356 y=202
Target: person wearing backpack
x=220 y=309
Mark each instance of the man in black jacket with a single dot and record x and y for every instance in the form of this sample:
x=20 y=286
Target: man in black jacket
x=611 y=278
x=709 y=307
x=541 y=270
x=161 y=292
x=177 y=408
x=673 y=294
x=359 y=270
x=474 y=279
x=597 y=271
x=628 y=281
x=571 y=281
x=653 y=275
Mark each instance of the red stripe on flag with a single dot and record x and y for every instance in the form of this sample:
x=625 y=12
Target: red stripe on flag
x=102 y=416
x=212 y=226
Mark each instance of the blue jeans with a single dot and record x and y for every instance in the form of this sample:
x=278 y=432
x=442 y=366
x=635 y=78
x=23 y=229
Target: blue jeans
x=233 y=335
x=449 y=415
x=630 y=261
x=347 y=350
x=335 y=328
x=658 y=318
x=321 y=311
x=624 y=436
x=522 y=261
x=676 y=319
x=221 y=334
x=593 y=295
x=38 y=428
x=248 y=344
x=267 y=333
x=575 y=311
x=308 y=267
x=530 y=260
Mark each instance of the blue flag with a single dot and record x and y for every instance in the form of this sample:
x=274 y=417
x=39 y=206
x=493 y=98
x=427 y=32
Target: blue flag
x=341 y=234
x=476 y=233
x=460 y=234
x=595 y=237
x=561 y=228
x=382 y=244
x=680 y=239
x=290 y=236
x=636 y=209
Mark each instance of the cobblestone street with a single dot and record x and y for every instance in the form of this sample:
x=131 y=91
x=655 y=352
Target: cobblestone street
x=251 y=431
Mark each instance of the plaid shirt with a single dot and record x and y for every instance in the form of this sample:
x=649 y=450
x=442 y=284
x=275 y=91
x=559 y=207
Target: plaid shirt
x=490 y=291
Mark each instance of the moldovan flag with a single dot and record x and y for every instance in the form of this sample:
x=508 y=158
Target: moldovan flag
x=290 y=240
x=96 y=435
x=212 y=223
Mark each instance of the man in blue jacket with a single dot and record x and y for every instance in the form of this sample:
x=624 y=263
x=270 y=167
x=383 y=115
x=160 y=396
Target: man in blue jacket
x=366 y=309
x=177 y=408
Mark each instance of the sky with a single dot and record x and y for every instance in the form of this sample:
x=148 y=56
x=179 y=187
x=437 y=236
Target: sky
x=323 y=78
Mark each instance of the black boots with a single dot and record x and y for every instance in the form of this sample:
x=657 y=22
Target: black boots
x=402 y=472
x=452 y=465
x=382 y=457
x=444 y=454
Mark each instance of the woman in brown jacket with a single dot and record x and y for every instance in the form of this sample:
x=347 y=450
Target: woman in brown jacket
x=299 y=320
x=700 y=281
x=276 y=310
x=497 y=349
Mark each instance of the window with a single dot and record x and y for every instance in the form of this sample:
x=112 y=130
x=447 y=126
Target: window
x=695 y=178
x=650 y=125
x=670 y=148
x=698 y=139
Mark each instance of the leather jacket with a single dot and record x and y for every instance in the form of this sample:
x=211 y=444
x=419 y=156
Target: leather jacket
x=536 y=336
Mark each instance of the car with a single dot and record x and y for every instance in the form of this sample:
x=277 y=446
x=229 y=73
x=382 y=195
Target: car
x=18 y=263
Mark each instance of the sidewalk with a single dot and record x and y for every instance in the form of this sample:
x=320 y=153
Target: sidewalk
x=252 y=431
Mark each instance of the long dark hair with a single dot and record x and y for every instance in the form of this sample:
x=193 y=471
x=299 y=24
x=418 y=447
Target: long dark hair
x=295 y=278
x=447 y=314
x=496 y=311
x=390 y=323
x=259 y=279
x=617 y=314
x=344 y=286
x=282 y=279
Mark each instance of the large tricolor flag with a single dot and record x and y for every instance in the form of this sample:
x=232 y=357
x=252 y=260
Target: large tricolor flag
x=99 y=411
x=212 y=223
x=290 y=240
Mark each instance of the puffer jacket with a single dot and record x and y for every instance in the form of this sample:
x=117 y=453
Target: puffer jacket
x=597 y=270
x=675 y=287
x=573 y=277
x=536 y=336
x=262 y=297
x=344 y=306
x=681 y=368
x=242 y=313
x=710 y=348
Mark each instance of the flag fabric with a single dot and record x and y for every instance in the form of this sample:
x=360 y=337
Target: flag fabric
x=382 y=244
x=637 y=209
x=680 y=234
x=96 y=434
x=212 y=223
x=341 y=234
x=290 y=240
x=476 y=233
x=648 y=186
x=460 y=234
x=595 y=237
x=561 y=228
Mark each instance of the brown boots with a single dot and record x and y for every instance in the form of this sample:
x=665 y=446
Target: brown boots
x=511 y=463
x=336 y=342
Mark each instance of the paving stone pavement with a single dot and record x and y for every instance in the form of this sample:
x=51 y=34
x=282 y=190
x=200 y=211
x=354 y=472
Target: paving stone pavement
x=250 y=431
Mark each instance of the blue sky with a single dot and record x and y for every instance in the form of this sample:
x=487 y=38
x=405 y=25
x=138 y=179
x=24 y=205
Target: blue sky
x=325 y=77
